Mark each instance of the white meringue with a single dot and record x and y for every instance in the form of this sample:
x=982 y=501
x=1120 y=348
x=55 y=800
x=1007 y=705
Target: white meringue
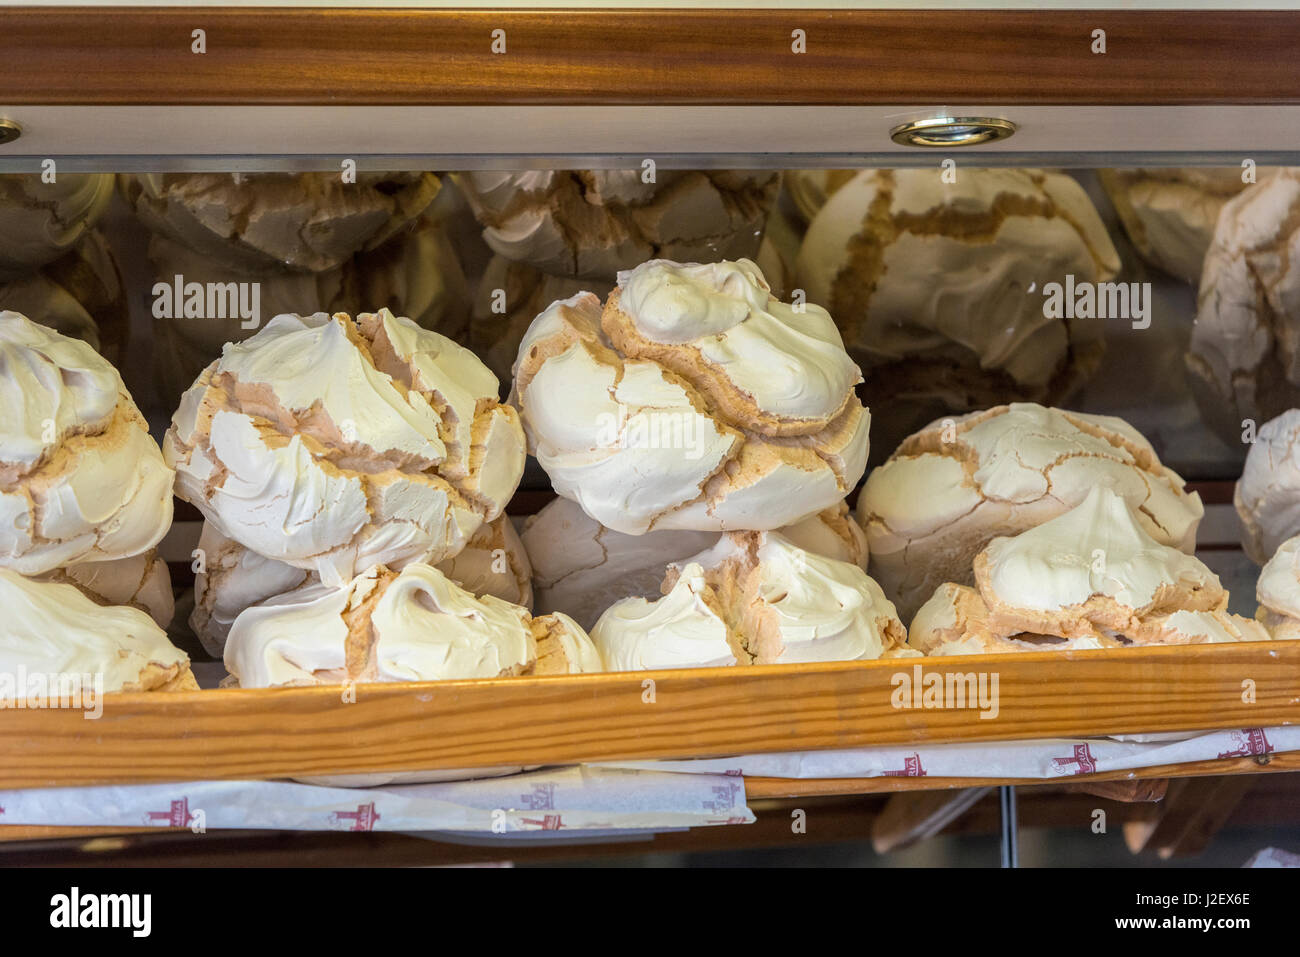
x=1278 y=591
x=234 y=578
x=416 y=625
x=1267 y=497
x=80 y=478
x=1091 y=578
x=333 y=446
x=53 y=629
x=582 y=568
x=1244 y=353
x=929 y=282
x=141 y=581
x=753 y=598
x=951 y=488
x=752 y=426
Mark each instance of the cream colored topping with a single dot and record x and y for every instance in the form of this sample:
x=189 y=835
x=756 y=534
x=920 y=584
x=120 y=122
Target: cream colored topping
x=53 y=629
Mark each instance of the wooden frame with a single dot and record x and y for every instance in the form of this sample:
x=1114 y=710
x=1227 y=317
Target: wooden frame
x=267 y=733
x=134 y=55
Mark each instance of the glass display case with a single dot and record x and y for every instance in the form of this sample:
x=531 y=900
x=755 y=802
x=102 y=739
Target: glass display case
x=885 y=416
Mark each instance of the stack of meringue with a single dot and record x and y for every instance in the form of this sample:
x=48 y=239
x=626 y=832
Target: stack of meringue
x=55 y=267
x=556 y=233
x=938 y=286
x=1244 y=355
x=1278 y=592
x=693 y=403
x=1267 y=497
x=1091 y=578
x=84 y=499
x=330 y=456
x=953 y=487
x=311 y=242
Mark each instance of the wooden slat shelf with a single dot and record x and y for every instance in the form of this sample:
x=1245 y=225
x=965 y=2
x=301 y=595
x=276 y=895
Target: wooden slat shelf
x=271 y=733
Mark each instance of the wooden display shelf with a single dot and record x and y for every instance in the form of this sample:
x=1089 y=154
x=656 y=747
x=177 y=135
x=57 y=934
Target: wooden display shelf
x=273 y=733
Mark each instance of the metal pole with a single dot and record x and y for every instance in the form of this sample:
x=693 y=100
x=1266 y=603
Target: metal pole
x=1010 y=839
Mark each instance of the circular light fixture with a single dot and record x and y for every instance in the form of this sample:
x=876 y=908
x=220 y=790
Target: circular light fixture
x=949 y=131
x=9 y=131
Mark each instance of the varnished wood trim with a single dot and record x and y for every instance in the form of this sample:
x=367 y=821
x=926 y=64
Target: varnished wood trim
x=269 y=733
x=81 y=55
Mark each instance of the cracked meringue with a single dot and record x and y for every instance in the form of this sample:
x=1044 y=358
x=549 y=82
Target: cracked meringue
x=593 y=223
x=40 y=222
x=303 y=221
x=1244 y=354
x=234 y=578
x=80 y=478
x=1169 y=213
x=693 y=400
x=52 y=628
x=1278 y=592
x=930 y=284
x=1267 y=497
x=754 y=598
x=581 y=568
x=333 y=445
x=951 y=488
x=413 y=625
x=1091 y=578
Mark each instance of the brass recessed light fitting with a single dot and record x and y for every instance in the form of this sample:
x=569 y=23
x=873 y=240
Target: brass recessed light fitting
x=9 y=131
x=949 y=131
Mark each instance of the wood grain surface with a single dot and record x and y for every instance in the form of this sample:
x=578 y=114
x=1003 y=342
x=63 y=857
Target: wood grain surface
x=80 y=55
x=265 y=733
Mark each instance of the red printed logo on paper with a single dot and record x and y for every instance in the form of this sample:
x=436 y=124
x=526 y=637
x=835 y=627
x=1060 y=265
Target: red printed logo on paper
x=1081 y=763
x=1248 y=741
x=724 y=797
x=911 y=768
x=178 y=815
x=550 y=822
x=362 y=819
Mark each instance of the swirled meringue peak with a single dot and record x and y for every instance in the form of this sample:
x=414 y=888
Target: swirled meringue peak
x=80 y=478
x=332 y=445
x=753 y=598
x=1091 y=578
x=692 y=399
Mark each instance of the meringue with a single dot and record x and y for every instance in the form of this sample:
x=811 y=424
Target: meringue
x=592 y=223
x=333 y=445
x=753 y=598
x=1278 y=592
x=1267 y=497
x=53 y=629
x=80 y=478
x=304 y=221
x=693 y=400
x=383 y=626
x=40 y=221
x=1244 y=354
x=953 y=487
x=1091 y=578
x=141 y=581
x=234 y=578
x=581 y=567
x=930 y=284
x=1170 y=213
